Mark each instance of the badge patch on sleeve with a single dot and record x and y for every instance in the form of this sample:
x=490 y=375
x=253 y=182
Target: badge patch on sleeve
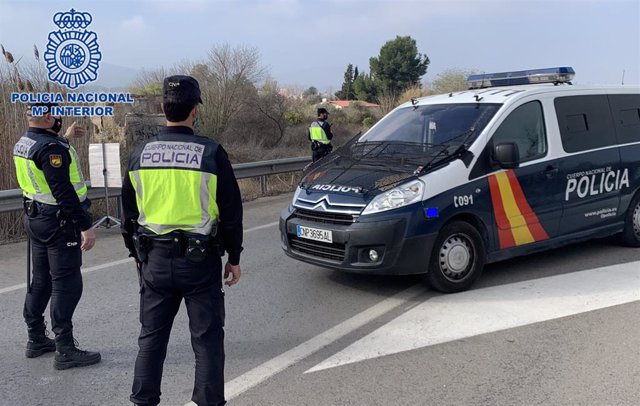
x=55 y=160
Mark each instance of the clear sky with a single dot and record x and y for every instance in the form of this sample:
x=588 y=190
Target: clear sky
x=307 y=43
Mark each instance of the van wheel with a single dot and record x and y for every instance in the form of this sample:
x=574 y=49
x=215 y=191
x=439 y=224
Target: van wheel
x=457 y=258
x=631 y=234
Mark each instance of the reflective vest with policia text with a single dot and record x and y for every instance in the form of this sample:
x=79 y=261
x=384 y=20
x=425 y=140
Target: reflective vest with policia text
x=31 y=179
x=317 y=133
x=175 y=180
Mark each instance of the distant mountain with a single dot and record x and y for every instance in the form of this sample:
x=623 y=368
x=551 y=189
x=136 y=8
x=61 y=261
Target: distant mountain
x=113 y=78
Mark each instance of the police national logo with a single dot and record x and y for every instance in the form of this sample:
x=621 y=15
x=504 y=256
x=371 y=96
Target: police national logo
x=72 y=54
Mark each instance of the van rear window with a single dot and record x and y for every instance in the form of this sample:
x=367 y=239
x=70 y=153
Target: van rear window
x=585 y=122
x=626 y=115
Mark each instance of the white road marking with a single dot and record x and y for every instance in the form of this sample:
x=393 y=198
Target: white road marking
x=118 y=262
x=262 y=372
x=261 y=227
x=84 y=271
x=453 y=317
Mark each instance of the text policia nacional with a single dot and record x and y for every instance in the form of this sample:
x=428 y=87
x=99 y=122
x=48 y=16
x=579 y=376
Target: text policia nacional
x=72 y=98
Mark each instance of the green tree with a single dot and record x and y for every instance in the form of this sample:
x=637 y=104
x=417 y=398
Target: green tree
x=399 y=65
x=451 y=80
x=311 y=95
x=311 y=91
x=366 y=88
x=347 y=92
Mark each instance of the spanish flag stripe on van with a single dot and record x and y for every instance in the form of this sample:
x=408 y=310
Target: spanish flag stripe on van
x=521 y=233
x=516 y=222
x=505 y=236
x=532 y=220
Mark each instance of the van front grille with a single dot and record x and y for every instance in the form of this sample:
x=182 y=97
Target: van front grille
x=331 y=251
x=324 y=217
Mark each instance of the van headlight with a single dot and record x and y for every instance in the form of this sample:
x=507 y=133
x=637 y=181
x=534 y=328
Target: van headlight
x=397 y=197
x=295 y=196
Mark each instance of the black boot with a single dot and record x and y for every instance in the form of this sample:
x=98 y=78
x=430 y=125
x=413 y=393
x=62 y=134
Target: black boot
x=39 y=342
x=68 y=355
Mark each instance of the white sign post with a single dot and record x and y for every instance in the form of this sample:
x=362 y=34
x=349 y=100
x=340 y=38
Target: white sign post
x=104 y=171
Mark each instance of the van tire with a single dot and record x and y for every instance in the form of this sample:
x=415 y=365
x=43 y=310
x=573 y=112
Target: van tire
x=630 y=236
x=457 y=258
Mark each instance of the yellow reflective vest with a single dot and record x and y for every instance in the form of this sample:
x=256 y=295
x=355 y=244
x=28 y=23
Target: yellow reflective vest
x=175 y=179
x=31 y=179
x=316 y=133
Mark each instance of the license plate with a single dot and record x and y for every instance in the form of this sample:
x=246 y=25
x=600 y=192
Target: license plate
x=315 y=234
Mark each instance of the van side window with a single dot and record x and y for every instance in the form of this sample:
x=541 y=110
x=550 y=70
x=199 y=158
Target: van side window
x=626 y=115
x=585 y=122
x=524 y=126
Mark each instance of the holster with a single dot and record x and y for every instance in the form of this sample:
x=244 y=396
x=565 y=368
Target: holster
x=141 y=244
x=215 y=243
x=30 y=208
x=216 y=246
x=68 y=227
x=315 y=145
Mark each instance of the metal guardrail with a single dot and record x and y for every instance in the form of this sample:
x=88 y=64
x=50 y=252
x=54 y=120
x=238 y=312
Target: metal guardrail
x=11 y=200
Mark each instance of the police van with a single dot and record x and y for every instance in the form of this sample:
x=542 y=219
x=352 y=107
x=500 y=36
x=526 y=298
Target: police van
x=442 y=185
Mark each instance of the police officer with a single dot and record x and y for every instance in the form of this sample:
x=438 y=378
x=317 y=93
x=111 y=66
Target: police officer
x=320 y=135
x=181 y=207
x=59 y=228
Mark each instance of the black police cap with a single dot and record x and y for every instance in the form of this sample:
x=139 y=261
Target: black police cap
x=322 y=110
x=181 y=89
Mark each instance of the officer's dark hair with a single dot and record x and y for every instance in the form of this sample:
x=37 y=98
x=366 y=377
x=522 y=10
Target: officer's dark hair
x=176 y=112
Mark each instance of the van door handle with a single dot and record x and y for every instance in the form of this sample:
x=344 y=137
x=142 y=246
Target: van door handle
x=551 y=171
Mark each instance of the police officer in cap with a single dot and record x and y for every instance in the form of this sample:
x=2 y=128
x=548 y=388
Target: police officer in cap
x=182 y=209
x=58 y=225
x=320 y=135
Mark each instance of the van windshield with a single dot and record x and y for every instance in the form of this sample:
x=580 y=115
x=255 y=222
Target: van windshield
x=437 y=124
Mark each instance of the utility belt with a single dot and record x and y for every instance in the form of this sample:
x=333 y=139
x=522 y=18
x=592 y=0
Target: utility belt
x=316 y=145
x=32 y=208
x=194 y=249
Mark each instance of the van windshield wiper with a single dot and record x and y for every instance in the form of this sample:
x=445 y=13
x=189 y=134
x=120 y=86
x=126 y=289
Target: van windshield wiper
x=461 y=151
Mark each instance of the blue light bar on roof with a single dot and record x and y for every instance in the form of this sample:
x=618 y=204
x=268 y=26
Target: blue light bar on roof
x=524 y=77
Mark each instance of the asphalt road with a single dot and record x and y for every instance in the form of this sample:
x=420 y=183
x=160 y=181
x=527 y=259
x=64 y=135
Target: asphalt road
x=557 y=328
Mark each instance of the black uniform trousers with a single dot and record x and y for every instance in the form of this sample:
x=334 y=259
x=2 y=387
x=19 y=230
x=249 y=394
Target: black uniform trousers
x=166 y=280
x=56 y=259
x=320 y=151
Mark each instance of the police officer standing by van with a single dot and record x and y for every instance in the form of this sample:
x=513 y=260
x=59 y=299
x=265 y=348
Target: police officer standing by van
x=320 y=135
x=58 y=226
x=182 y=209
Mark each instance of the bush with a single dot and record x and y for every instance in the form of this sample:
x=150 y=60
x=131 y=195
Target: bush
x=368 y=121
x=294 y=117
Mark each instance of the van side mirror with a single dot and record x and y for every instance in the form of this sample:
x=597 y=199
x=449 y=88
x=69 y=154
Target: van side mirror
x=507 y=155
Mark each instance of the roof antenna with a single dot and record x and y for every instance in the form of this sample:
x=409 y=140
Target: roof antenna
x=414 y=103
x=623 y=77
x=478 y=97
